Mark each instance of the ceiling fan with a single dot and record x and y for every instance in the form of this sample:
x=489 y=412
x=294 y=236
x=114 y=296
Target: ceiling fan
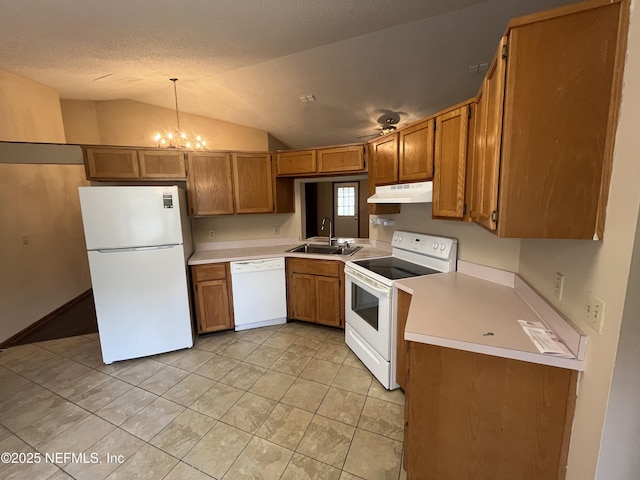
x=387 y=124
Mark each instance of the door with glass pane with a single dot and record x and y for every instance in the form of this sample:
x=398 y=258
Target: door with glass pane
x=345 y=209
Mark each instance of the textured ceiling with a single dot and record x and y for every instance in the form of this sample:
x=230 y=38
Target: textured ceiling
x=248 y=61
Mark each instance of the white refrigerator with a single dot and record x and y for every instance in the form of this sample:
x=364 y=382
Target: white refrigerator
x=138 y=242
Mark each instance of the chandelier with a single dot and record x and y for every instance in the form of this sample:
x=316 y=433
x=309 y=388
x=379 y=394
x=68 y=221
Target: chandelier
x=177 y=138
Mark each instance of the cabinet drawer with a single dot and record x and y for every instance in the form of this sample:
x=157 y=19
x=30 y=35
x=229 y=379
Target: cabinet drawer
x=214 y=271
x=325 y=268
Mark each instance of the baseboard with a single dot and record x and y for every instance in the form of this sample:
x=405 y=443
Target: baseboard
x=15 y=339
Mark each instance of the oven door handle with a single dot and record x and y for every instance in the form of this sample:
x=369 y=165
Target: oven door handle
x=369 y=282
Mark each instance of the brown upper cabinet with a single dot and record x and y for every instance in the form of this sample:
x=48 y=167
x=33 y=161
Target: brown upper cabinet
x=548 y=112
x=114 y=163
x=298 y=162
x=210 y=184
x=340 y=160
x=450 y=163
x=224 y=183
x=383 y=165
x=403 y=156
x=253 y=188
x=416 y=154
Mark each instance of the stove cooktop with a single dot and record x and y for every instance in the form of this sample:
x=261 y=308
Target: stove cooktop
x=394 y=268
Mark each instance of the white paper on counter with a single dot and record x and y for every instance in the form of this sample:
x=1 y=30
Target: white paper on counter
x=545 y=340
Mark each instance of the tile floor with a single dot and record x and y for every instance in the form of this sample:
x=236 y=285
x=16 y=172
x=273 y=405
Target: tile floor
x=289 y=402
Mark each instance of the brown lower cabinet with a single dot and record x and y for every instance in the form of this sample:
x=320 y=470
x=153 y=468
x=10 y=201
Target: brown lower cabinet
x=315 y=291
x=213 y=297
x=474 y=416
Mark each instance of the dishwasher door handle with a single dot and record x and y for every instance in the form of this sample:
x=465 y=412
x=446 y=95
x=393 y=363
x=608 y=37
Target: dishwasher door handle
x=259 y=265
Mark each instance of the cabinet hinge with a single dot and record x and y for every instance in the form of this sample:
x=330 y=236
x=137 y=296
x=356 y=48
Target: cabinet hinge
x=494 y=216
x=505 y=50
x=464 y=209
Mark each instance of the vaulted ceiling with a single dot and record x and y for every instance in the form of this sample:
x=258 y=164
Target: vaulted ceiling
x=249 y=61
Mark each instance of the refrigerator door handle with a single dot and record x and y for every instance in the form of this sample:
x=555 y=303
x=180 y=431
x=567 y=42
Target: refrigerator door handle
x=135 y=249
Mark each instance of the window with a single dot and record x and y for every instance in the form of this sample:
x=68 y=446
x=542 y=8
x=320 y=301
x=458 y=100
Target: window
x=346 y=201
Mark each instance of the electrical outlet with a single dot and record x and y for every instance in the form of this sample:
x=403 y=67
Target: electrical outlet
x=276 y=230
x=558 y=286
x=594 y=312
x=212 y=234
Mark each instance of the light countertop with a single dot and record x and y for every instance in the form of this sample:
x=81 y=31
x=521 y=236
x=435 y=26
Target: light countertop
x=477 y=309
x=252 y=250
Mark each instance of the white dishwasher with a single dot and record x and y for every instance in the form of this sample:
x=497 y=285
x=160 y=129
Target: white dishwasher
x=259 y=292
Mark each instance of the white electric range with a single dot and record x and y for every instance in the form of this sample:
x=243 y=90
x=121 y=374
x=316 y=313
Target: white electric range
x=370 y=297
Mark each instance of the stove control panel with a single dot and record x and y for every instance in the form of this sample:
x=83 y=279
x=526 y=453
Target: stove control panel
x=440 y=247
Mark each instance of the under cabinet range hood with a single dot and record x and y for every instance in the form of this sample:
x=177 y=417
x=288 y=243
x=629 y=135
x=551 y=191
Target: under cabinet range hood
x=420 y=192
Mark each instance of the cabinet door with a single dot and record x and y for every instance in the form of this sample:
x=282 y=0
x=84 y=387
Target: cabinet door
x=252 y=181
x=487 y=164
x=111 y=163
x=341 y=159
x=450 y=163
x=385 y=160
x=328 y=301
x=301 y=162
x=416 y=152
x=302 y=293
x=213 y=309
x=162 y=164
x=209 y=184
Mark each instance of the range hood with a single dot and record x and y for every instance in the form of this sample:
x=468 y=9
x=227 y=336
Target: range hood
x=420 y=192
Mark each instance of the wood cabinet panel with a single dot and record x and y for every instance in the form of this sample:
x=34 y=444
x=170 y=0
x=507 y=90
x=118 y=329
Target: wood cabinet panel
x=303 y=297
x=479 y=416
x=416 y=152
x=213 y=297
x=384 y=162
x=402 y=364
x=209 y=183
x=162 y=164
x=487 y=158
x=253 y=183
x=299 y=162
x=213 y=271
x=341 y=159
x=328 y=301
x=315 y=291
x=327 y=268
x=558 y=149
x=111 y=163
x=542 y=169
x=450 y=163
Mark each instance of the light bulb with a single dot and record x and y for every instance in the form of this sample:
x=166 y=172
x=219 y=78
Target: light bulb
x=170 y=135
x=183 y=135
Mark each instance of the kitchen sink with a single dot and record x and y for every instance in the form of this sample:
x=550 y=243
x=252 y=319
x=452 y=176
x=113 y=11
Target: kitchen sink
x=324 y=249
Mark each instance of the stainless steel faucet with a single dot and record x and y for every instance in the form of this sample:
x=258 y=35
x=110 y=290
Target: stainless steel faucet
x=330 y=228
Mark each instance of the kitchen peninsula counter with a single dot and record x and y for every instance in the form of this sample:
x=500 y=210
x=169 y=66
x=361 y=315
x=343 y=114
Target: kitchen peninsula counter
x=481 y=400
x=477 y=309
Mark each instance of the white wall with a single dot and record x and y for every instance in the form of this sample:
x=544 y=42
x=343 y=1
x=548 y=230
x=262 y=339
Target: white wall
x=40 y=206
x=474 y=243
x=29 y=111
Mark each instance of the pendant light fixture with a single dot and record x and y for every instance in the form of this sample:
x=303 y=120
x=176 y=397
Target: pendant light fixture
x=177 y=138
